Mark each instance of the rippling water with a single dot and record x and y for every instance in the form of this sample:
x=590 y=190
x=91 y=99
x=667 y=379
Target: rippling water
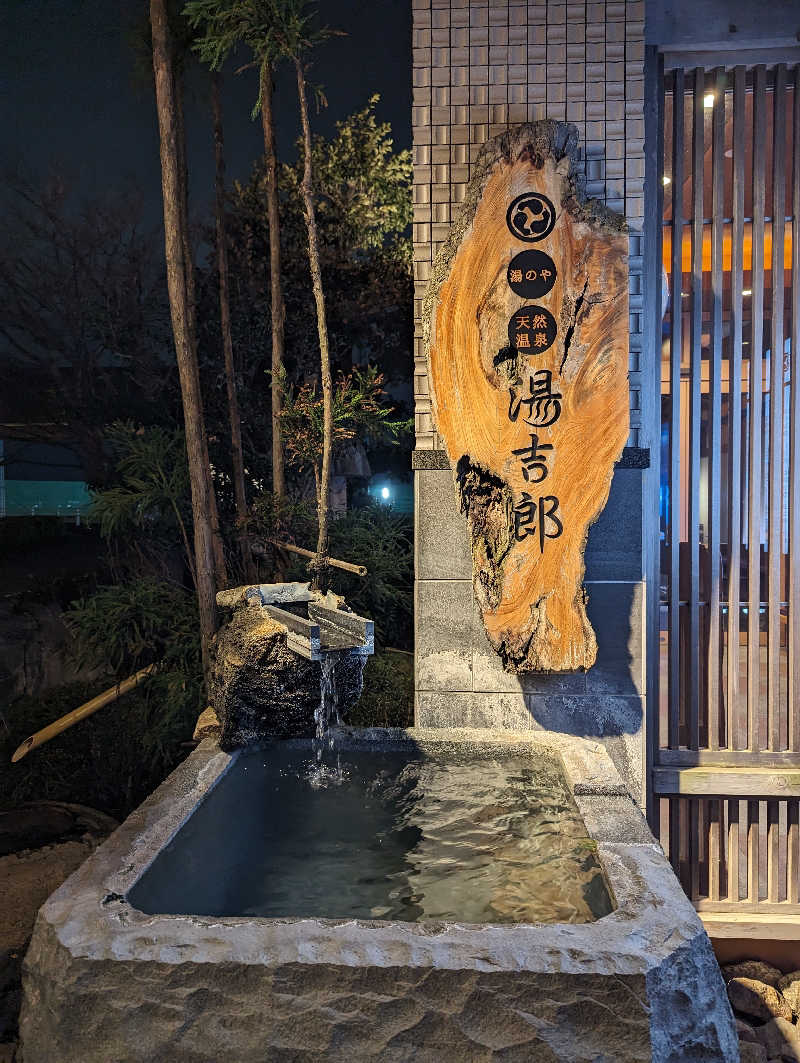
x=383 y=837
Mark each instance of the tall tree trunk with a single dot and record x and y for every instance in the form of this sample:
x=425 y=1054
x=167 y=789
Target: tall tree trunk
x=323 y=494
x=227 y=340
x=181 y=326
x=188 y=258
x=278 y=310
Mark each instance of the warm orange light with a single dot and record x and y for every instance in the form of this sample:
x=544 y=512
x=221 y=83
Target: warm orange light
x=686 y=248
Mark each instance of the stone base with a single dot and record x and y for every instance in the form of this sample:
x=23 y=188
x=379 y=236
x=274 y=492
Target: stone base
x=103 y=981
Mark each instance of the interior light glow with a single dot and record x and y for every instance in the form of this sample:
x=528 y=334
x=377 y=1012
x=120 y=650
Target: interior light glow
x=384 y=492
x=666 y=180
x=708 y=99
x=747 y=291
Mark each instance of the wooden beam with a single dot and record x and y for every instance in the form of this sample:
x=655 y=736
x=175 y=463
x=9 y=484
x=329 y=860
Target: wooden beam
x=750 y=923
x=718 y=781
x=725 y=758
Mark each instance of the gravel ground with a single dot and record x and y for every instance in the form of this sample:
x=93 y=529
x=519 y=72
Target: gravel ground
x=27 y=879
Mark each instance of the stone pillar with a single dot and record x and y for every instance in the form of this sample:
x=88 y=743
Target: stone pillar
x=478 y=69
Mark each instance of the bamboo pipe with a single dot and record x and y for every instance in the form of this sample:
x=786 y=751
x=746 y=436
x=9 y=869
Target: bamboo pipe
x=89 y=707
x=360 y=570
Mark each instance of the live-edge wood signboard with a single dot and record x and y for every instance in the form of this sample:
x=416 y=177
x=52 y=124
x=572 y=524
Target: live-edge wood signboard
x=526 y=334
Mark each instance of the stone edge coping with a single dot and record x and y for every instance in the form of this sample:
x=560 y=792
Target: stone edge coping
x=92 y=919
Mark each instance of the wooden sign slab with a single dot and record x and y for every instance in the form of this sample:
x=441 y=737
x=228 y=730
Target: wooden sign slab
x=526 y=331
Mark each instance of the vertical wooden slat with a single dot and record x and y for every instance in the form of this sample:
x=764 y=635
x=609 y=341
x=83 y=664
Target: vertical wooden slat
x=733 y=850
x=794 y=451
x=793 y=851
x=737 y=722
x=702 y=847
x=675 y=354
x=682 y=841
x=672 y=833
x=714 y=816
x=763 y=850
x=656 y=728
x=776 y=712
x=754 y=729
x=752 y=852
x=714 y=531
x=694 y=848
x=692 y=694
x=773 y=852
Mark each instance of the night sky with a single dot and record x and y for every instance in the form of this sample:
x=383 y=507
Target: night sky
x=71 y=103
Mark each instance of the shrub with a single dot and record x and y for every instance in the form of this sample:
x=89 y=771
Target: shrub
x=376 y=536
x=383 y=540
x=388 y=698
x=110 y=761
x=113 y=759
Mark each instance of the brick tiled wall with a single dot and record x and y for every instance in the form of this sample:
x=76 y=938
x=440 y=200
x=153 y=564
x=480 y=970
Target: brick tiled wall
x=480 y=67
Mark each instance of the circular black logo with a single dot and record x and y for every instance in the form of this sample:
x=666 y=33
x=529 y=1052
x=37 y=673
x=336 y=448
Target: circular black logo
x=531 y=217
x=531 y=274
x=531 y=330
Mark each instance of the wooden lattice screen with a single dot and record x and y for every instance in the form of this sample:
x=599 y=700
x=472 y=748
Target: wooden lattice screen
x=726 y=764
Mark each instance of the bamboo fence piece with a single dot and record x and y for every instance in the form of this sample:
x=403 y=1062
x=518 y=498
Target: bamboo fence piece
x=359 y=570
x=63 y=723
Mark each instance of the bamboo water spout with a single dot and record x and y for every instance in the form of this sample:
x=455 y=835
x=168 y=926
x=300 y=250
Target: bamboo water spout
x=63 y=723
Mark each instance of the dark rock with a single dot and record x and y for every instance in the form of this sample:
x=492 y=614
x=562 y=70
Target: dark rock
x=757 y=999
x=789 y=985
x=761 y=972
x=39 y=823
x=781 y=1039
x=744 y=1031
x=10 y=991
x=207 y=725
x=752 y=1053
x=261 y=689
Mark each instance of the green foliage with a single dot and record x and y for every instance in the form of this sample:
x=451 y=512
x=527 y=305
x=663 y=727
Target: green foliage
x=154 y=479
x=359 y=411
x=114 y=758
x=363 y=208
x=145 y=515
x=110 y=761
x=375 y=536
x=388 y=698
x=124 y=627
x=289 y=519
x=363 y=186
x=271 y=29
x=383 y=540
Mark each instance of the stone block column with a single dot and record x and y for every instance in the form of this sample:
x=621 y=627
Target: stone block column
x=479 y=68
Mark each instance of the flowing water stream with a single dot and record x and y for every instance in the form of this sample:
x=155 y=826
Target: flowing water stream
x=321 y=771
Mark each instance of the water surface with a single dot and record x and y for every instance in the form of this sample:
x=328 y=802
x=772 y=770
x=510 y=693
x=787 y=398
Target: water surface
x=390 y=836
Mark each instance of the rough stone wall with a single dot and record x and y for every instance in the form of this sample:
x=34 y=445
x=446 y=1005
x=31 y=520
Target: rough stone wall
x=78 y=1010
x=479 y=68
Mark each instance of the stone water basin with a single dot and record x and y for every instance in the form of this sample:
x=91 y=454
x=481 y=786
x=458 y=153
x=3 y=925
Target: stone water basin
x=456 y=895
x=382 y=835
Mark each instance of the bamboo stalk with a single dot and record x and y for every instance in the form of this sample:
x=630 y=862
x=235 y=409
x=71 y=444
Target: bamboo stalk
x=87 y=709
x=360 y=570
